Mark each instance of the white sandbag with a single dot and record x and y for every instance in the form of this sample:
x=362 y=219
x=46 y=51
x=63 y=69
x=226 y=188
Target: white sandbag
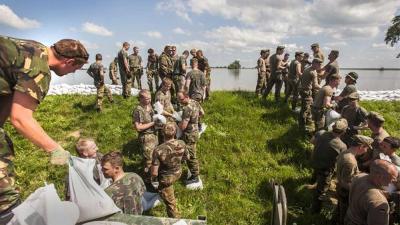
x=104 y=182
x=160 y=118
x=91 y=199
x=177 y=116
x=158 y=107
x=331 y=116
x=203 y=128
x=44 y=207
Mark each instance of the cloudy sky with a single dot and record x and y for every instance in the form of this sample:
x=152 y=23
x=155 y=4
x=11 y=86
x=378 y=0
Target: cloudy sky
x=225 y=29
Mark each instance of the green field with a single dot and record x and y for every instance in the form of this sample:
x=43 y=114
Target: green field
x=247 y=143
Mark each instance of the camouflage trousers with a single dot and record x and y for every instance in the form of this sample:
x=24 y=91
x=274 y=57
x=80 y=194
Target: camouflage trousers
x=191 y=139
x=101 y=90
x=148 y=142
x=319 y=118
x=113 y=79
x=136 y=75
x=179 y=82
x=277 y=81
x=292 y=91
x=261 y=83
x=126 y=81
x=208 y=85
x=152 y=75
x=305 y=116
x=343 y=204
x=9 y=194
x=166 y=190
x=323 y=177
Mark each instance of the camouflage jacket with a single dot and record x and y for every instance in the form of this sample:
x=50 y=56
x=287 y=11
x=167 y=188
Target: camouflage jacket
x=135 y=61
x=152 y=63
x=191 y=113
x=180 y=66
x=96 y=71
x=24 y=67
x=127 y=193
x=165 y=66
x=113 y=68
x=140 y=115
x=204 y=66
x=165 y=100
x=122 y=54
x=169 y=156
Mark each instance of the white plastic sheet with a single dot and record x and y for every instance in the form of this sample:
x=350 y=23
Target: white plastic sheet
x=91 y=199
x=158 y=107
x=44 y=207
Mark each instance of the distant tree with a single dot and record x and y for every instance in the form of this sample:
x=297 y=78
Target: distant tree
x=235 y=65
x=393 y=32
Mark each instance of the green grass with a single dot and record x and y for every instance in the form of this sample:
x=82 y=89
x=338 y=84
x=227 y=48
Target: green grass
x=247 y=143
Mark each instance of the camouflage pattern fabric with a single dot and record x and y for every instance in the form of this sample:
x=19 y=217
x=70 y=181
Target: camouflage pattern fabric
x=165 y=66
x=179 y=73
x=135 y=64
x=197 y=84
x=355 y=116
x=191 y=113
x=262 y=77
x=168 y=157
x=126 y=78
x=127 y=193
x=152 y=73
x=9 y=194
x=24 y=67
x=206 y=69
x=292 y=84
x=112 y=72
x=96 y=72
x=165 y=100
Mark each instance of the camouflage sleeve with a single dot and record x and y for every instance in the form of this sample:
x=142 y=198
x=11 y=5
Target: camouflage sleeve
x=187 y=112
x=203 y=80
x=207 y=66
x=186 y=155
x=36 y=87
x=155 y=161
x=101 y=72
x=137 y=116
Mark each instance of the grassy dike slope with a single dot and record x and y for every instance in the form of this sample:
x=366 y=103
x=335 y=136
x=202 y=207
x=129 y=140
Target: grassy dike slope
x=246 y=144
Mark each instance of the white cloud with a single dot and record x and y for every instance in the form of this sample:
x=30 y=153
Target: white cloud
x=9 y=18
x=138 y=43
x=177 y=6
x=154 y=34
x=179 y=30
x=90 y=45
x=96 y=29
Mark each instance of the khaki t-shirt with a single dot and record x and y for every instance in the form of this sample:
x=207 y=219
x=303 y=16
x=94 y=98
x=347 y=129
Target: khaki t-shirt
x=346 y=169
x=325 y=91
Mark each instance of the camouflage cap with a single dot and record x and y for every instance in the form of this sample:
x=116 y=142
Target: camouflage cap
x=280 y=47
x=375 y=116
x=340 y=125
x=361 y=139
x=71 y=49
x=317 y=60
x=314 y=45
x=354 y=96
x=352 y=75
x=299 y=53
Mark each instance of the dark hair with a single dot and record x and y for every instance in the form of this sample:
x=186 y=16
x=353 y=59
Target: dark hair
x=98 y=56
x=114 y=158
x=393 y=142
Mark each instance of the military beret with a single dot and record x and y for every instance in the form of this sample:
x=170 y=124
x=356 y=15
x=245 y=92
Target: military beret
x=317 y=60
x=335 y=52
x=352 y=75
x=298 y=53
x=354 y=96
x=314 y=45
x=280 y=47
x=361 y=139
x=340 y=125
x=335 y=76
x=375 y=116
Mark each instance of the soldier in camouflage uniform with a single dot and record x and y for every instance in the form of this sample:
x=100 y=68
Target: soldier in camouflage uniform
x=144 y=124
x=193 y=54
x=113 y=71
x=126 y=189
x=135 y=66
x=293 y=79
x=285 y=73
x=305 y=63
x=327 y=147
x=163 y=95
x=152 y=70
x=180 y=71
x=167 y=167
x=124 y=70
x=262 y=73
x=308 y=85
x=24 y=82
x=96 y=71
x=343 y=98
x=192 y=111
x=317 y=53
x=332 y=67
x=196 y=83
x=276 y=79
x=205 y=68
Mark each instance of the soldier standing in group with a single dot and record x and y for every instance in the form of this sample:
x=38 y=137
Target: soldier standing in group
x=152 y=70
x=193 y=54
x=113 y=70
x=356 y=117
x=275 y=62
x=179 y=74
x=367 y=199
x=96 y=71
x=189 y=125
x=332 y=67
x=285 y=72
x=293 y=79
x=196 y=83
x=126 y=189
x=323 y=101
x=205 y=68
x=346 y=170
x=24 y=82
x=144 y=124
x=165 y=66
x=308 y=85
x=167 y=167
x=317 y=53
x=262 y=73
x=124 y=71
x=163 y=95
x=342 y=99
x=136 y=68
x=305 y=63
x=327 y=147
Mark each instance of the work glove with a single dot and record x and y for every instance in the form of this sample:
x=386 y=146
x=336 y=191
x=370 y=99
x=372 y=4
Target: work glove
x=59 y=156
